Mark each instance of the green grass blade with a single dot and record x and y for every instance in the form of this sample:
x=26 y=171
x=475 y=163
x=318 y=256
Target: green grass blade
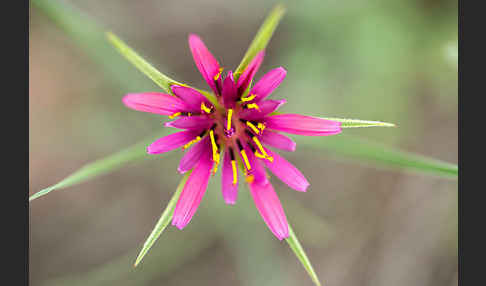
x=300 y=253
x=159 y=78
x=262 y=37
x=101 y=166
x=163 y=220
x=374 y=152
x=354 y=123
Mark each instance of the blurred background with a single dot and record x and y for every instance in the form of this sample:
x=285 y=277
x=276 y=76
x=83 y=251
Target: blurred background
x=393 y=61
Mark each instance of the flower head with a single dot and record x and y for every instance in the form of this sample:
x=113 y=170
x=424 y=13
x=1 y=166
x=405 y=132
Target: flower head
x=234 y=131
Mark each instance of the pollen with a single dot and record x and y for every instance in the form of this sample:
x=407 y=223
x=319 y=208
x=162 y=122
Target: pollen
x=248 y=98
x=235 y=174
x=261 y=126
x=250 y=178
x=253 y=106
x=214 y=147
x=216 y=156
x=253 y=127
x=230 y=114
x=205 y=108
x=198 y=138
x=245 y=159
x=175 y=115
x=216 y=77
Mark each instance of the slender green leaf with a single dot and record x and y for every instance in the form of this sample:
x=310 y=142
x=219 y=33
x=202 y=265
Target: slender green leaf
x=159 y=78
x=163 y=220
x=101 y=166
x=353 y=123
x=374 y=152
x=262 y=38
x=300 y=253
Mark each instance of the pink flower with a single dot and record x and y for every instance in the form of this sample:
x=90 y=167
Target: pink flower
x=240 y=128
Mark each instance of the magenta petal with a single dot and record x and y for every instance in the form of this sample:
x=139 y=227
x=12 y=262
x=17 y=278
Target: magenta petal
x=229 y=91
x=303 y=125
x=193 y=155
x=154 y=102
x=286 y=172
x=250 y=71
x=191 y=122
x=206 y=63
x=192 y=193
x=270 y=209
x=230 y=190
x=264 y=107
x=191 y=97
x=171 y=142
x=268 y=83
x=277 y=140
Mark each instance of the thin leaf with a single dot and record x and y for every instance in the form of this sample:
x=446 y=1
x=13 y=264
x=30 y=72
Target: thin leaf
x=159 y=78
x=101 y=166
x=262 y=38
x=300 y=253
x=164 y=220
x=374 y=152
x=354 y=123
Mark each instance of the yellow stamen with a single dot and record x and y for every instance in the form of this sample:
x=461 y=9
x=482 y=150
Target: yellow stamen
x=259 y=145
x=258 y=155
x=218 y=74
x=174 y=115
x=253 y=106
x=248 y=98
x=245 y=159
x=191 y=142
x=253 y=127
x=250 y=178
x=235 y=174
x=261 y=126
x=215 y=151
x=205 y=108
x=230 y=113
x=215 y=168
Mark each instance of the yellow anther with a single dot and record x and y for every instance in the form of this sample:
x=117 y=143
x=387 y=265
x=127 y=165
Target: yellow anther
x=218 y=74
x=235 y=174
x=263 y=154
x=215 y=151
x=174 y=115
x=245 y=159
x=230 y=114
x=261 y=126
x=253 y=106
x=250 y=178
x=259 y=145
x=253 y=127
x=205 y=108
x=191 y=142
x=248 y=98
x=258 y=155
x=216 y=163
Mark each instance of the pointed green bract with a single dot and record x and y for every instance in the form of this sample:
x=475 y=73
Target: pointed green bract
x=262 y=38
x=300 y=253
x=354 y=123
x=159 y=78
x=374 y=152
x=102 y=166
x=164 y=220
